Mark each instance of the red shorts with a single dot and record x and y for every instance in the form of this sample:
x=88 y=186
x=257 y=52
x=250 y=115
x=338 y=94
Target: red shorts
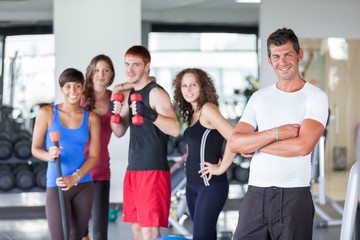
x=147 y=198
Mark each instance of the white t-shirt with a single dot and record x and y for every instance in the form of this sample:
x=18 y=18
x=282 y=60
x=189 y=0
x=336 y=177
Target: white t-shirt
x=269 y=108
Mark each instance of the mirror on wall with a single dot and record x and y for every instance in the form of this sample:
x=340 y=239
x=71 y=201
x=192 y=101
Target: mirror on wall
x=333 y=65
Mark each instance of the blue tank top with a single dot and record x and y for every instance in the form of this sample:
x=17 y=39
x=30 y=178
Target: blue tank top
x=204 y=145
x=73 y=143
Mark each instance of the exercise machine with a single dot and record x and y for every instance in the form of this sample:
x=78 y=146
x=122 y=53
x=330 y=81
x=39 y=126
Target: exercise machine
x=320 y=198
x=351 y=203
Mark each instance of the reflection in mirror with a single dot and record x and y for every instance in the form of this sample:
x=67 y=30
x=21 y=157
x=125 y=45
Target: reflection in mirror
x=333 y=65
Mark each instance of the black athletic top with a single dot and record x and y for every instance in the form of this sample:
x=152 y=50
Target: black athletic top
x=148 y=144
x=204 y=145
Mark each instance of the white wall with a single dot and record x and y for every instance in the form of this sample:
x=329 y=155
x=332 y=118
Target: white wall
x=308 y=19
x=80 y=34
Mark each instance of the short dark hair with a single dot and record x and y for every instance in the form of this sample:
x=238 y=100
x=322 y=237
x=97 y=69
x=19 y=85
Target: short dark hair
x=282 y=36
x=139 y=51
x=71 y=75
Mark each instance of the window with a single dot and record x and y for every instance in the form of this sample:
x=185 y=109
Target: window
x=229 y=58
x=28 y=81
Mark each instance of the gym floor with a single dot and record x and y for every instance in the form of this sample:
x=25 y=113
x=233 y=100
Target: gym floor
x=22 y=216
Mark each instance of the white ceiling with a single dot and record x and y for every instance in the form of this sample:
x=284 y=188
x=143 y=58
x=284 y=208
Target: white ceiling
x=18 y=12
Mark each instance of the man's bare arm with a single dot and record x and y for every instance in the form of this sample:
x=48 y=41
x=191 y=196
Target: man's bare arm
x=166 y=120
x=119 y=129
x=245 y=140
x=310 y=132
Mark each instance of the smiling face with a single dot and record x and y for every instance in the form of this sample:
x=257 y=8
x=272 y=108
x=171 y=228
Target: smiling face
x=285 y=61
x=190 y=88
x=72 y=92
x=102 y=74
x=136 y=69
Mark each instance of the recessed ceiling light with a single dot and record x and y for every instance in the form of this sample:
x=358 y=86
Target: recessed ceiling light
x=248 y=1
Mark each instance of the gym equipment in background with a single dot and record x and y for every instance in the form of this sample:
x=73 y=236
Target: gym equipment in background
x=241 y=174
x=136 y=119
x=55 y=137
x=39 y=171
x=22 y=144
x=6 y=147
x=351 y=203
x=7 y=179
x=178 y=204
x=320 y=198
x=21 y=175
x=238 y=172
x=350 y=218
x=113 y=213
x=176 y=147
x=116 y=118
x=24 y=177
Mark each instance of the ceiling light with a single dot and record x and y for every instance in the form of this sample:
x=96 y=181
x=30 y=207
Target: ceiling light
x=248 y=1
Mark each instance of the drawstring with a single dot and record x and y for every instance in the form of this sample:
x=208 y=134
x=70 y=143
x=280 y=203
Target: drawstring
x=281 y=201
x=263 y=204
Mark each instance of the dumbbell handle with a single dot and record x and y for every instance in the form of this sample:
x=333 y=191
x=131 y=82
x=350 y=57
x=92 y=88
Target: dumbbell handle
x=116 y=118
x=136 y=119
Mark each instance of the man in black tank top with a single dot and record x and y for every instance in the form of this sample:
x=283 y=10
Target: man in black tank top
x=147 y=184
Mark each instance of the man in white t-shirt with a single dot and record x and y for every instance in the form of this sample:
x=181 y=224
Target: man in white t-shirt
x=279 y=129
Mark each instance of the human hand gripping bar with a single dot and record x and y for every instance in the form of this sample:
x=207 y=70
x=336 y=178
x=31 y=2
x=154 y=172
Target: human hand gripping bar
x=142 y=110
x=136 y=119
x=116 y=118
x=55 y=137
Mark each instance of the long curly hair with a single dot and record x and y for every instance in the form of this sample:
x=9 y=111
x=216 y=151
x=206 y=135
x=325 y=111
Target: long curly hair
x=207 y=88
x=89 y=95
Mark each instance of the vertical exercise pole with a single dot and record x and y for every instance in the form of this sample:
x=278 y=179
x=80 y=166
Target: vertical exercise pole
x=322 y=183
x=351 y=203
x=55 y=136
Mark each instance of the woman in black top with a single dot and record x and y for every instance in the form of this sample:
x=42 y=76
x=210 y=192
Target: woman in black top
x=207 y=186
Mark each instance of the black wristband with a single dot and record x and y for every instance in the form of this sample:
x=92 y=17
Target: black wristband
x=153 y=116
x=111 y=107
x=146 y=111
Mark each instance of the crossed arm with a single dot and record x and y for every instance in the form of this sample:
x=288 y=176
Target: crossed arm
x=293 y=139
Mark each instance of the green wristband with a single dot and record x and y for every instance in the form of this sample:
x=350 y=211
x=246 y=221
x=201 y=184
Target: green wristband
x=277 y=133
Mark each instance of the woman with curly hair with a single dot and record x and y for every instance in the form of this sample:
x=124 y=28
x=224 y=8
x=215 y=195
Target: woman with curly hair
x=207 y=186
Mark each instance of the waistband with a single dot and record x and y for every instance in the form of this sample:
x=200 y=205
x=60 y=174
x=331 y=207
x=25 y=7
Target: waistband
x=277 y=189
x=281 y=191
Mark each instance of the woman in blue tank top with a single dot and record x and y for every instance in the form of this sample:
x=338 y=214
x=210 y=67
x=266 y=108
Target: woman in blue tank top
x=207 y=185
x=76 y=126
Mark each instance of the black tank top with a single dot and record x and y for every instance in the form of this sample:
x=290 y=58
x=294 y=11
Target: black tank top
x=148 y=144
x=204 y=145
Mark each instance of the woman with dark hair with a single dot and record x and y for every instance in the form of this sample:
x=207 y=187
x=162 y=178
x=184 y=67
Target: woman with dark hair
x=207 y=186
x=76 y=127
x=100 y=75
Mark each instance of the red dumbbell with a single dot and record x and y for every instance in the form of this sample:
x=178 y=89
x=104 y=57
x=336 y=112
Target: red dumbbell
x=116 y=118
x=136 y=119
